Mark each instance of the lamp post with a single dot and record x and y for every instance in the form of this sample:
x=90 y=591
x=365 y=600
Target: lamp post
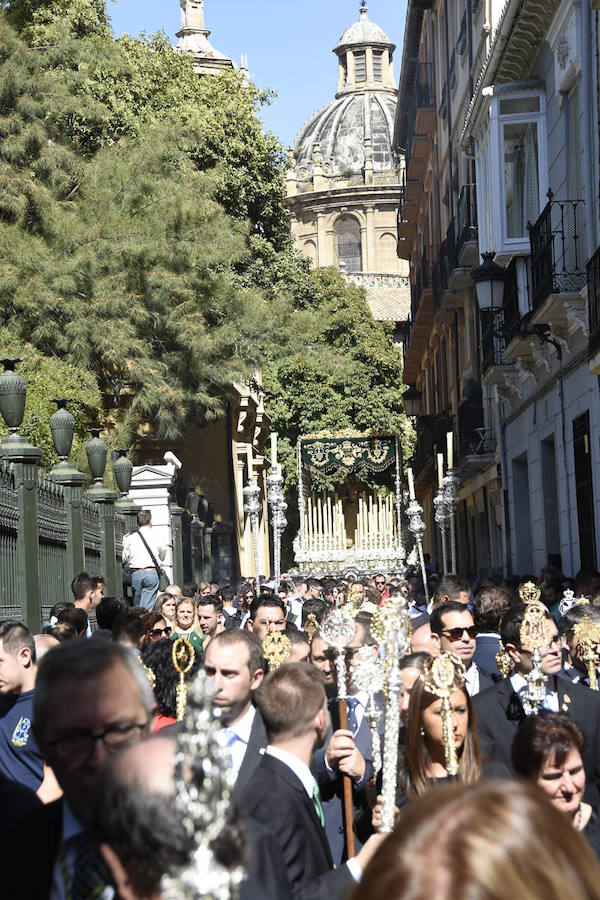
x=451 y=500
x=489 y=283
x=417 y=527
x=251 y=495
x=413 y=401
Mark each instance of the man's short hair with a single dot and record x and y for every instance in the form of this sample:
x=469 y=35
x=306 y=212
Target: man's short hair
x=108 y=609
x=97 y=578
x=489 y=606
x=510 y=627
x=144 y=517
x=573 y=617
x=313 y=582
x=58 y=608
x=82 y=583
x=189 y=589
x=289 y=698
x=443 y=609
x=15 y=636
x=78 y=661
x=451 y=586
x=268 y=602
x=256 y=657
x=314 y=607
x=74 y=616
x=143 y=826
x=226 y=594
x=129 y=626
x=211 y=600
x=297 y=637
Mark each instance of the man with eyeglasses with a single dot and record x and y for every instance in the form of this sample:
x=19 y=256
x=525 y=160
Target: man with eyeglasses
x=91 y=699
x=453 y=627
x=499 y=710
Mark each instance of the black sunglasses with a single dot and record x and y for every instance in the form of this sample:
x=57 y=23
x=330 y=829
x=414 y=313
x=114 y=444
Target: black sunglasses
x=455 y=634
x=157 y=632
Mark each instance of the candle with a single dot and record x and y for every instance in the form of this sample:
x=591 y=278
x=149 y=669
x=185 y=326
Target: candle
x=450 y=448
x=411 y=484
x=440 y=467
x=330 y=528
x=250 y=461
x=273 y=449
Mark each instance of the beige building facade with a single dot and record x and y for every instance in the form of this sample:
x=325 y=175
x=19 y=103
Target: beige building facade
x=343 y=187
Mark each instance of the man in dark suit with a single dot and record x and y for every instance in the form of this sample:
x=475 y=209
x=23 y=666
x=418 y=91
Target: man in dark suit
x=235 y=661
x=283 y=795
x=453 y=626
x=489 y=606
x=91 y=698
x=575 y=667
x=499 y=710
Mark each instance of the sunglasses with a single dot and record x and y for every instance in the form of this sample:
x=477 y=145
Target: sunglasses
x=455 y=634
x=380 y=582
x=158 y=632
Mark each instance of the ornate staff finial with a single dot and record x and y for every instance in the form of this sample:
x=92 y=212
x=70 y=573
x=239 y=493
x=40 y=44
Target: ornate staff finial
x=587 y=633
x=367 y=675
x=534 y=634
x=183 y=656
x=311 y=625
x=276 y=648
x=442 y=675
x=202 y=796
x=529 y=592
x=503 y=661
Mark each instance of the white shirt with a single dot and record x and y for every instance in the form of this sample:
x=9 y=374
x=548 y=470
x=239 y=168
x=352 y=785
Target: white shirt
x=519 y=686
x=472 y=680
x=303 y=773
x=236 y=738
x=71 y=828
x=135 y=554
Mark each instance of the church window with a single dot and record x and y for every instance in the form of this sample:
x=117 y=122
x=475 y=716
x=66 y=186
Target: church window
x=360 y=65
x=349 y=250
x=377 y=65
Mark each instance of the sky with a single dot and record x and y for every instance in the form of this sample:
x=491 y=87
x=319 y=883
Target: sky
x=288 y=44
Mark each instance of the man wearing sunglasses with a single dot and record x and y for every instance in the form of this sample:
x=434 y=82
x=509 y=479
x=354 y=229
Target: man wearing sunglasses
x=453 y=627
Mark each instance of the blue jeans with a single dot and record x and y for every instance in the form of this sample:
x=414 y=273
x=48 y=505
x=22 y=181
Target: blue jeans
x=145 y=585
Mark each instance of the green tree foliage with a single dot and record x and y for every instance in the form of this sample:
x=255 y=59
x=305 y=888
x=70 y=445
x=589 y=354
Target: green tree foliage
x=122 y=262
x=339 y=370
x=48 y=378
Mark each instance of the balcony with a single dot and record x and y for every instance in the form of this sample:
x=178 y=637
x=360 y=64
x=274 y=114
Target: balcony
x=510 y=306
x=494 y=365
x=431 y=439
x=593 y=290
x=476 y=441
x=421 y=313
x=557 y=259
x=466 y=243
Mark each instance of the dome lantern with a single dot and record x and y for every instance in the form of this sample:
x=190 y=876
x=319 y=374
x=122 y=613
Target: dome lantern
x=365 y=55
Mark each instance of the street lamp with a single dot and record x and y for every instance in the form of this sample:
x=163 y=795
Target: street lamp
x=489 y=283
x=413 y=401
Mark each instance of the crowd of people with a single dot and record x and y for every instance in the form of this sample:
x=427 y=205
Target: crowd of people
x=90 y=711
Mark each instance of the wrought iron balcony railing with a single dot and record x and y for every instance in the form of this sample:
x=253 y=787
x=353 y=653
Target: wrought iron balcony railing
x=557 y=250
x=593 y=286
x=466 y=216
x=510 y=306
x=493 y=341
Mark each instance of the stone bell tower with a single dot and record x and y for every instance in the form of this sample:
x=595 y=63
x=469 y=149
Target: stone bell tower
x=193 y=40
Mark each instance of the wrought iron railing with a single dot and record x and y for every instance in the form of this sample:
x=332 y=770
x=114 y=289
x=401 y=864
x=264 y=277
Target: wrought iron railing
x=557 y=250
x=493 y=341
x=593 y=288
x=422 y=280
x=466 y=216
x=510 y=305
x=424 y=91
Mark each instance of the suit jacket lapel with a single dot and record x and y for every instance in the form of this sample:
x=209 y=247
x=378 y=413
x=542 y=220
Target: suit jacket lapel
x=257 y=742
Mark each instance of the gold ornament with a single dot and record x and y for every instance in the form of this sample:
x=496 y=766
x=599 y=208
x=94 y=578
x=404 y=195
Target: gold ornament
x=183 y=656
x=442 y=675
x=529 y=592
x=311 y=625
x=503 y=661
x=276 y=648
x=149 y=673
x=534 y=635
x=587 y=633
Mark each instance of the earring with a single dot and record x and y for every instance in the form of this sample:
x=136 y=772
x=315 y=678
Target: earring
x=422 y=731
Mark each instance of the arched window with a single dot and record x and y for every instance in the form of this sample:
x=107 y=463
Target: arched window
x=349 y=251
x=310 y=250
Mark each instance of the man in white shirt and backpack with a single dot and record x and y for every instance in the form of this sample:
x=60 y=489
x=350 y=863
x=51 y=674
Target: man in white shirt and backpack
x=138 y=549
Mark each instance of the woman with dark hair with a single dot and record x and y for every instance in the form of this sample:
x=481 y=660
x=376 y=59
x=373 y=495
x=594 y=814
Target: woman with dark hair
x=547 y=749
x=155 y=628
x=159 y=658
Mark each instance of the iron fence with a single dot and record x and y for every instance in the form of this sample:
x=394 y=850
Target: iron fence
x=557 y=250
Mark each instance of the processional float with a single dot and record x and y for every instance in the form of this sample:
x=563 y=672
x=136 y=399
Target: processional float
x=358 y=528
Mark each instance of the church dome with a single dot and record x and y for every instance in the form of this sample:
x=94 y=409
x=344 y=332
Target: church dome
x=344 y=133
x=363 y=32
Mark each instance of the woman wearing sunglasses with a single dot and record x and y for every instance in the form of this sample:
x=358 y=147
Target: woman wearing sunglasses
x=156 y=628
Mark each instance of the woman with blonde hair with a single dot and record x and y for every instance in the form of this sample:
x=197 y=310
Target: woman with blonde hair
x=185 y=623
x=498 y=840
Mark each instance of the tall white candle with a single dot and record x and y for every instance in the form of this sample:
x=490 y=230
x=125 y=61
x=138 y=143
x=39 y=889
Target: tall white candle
x=273 y=449
x=440 y=461
x=450 y=448
x=411 y=484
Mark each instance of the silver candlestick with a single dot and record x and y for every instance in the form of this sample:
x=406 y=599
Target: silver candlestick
x=252 y=509
x=441 y=517
x=452 y=498
x=278 y=519
x=367 y=674
x=417 y=526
